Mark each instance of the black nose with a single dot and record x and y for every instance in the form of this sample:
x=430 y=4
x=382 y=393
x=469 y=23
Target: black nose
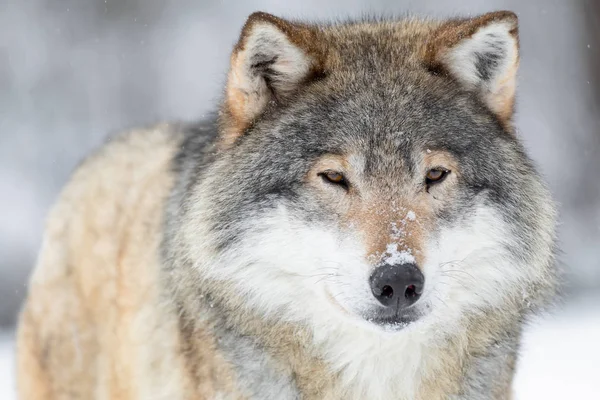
x=397 y=285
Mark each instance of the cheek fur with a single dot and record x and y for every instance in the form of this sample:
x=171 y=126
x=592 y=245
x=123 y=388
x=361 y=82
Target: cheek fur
x=469 y=267
x=286 y=263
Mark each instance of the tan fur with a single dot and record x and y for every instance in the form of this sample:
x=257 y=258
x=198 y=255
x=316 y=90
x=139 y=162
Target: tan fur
x=94 y=323
x=242 y=106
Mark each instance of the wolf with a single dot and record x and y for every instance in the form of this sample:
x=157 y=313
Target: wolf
x=358 y=221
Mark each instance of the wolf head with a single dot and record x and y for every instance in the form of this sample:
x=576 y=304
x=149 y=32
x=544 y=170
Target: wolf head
x=367 y=174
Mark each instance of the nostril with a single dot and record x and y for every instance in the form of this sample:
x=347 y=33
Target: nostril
x=387 y=292
x=411 y=292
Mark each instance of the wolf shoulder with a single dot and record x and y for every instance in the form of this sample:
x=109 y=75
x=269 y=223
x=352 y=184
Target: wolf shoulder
x=98 y=268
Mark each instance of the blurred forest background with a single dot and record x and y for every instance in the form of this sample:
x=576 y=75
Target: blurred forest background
x=74 y=71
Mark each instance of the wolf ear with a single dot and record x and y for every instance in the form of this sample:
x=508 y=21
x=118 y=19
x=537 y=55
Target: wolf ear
x=271 y=60
x=481 y=53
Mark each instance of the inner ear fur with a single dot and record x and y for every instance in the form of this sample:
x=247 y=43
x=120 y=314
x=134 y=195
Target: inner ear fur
x=482 y=54
x=271 y=61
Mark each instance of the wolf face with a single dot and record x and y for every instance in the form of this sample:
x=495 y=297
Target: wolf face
x=367 y=175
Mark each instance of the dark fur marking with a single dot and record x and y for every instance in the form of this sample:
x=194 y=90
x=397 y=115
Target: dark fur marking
x=487 y=63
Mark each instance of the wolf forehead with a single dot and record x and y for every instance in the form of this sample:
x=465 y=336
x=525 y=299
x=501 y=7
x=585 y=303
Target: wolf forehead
x=414 y=82
x=275 y=60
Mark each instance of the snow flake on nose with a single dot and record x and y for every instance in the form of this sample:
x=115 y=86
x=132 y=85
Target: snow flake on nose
x=398 y=229
x=397 y=232
x=393 y=256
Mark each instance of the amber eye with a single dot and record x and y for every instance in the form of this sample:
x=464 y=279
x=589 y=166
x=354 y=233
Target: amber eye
x=334 y=177
x=436 y=175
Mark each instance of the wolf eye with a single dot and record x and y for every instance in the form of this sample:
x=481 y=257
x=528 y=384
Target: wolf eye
x=334 y=177
x=435 y=175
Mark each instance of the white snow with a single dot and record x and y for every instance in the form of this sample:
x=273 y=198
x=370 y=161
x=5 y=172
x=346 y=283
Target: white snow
x=7 y=376
x=394 y=256
x=560 y=356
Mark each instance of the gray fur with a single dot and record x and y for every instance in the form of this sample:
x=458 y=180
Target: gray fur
x=254 y=368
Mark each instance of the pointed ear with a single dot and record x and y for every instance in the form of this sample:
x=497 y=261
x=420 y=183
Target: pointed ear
x=483 y=55
x=271 y=61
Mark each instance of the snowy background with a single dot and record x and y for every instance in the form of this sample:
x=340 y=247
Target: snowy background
x=72 y=71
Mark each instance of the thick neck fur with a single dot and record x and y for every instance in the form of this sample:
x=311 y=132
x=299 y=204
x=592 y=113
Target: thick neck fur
x=349 y=363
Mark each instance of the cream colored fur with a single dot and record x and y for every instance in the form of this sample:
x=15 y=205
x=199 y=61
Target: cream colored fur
x=94 y=323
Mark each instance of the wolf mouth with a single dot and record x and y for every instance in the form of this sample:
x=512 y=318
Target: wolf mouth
x=394 y=321
x=391 y=323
